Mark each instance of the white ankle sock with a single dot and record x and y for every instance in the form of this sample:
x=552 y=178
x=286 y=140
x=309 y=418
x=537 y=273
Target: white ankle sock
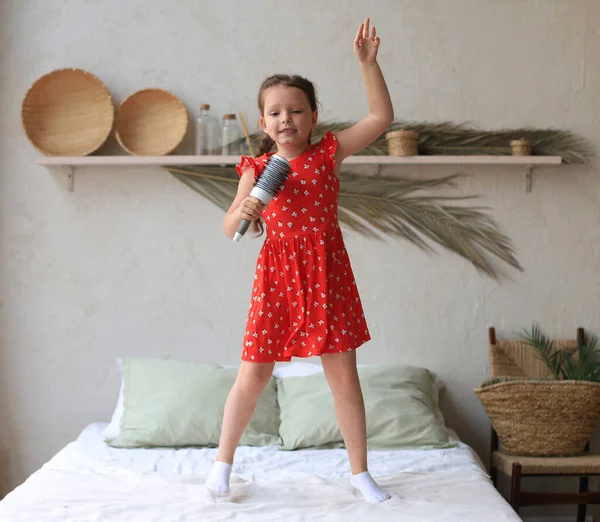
x=218 y=478
x=368 y=487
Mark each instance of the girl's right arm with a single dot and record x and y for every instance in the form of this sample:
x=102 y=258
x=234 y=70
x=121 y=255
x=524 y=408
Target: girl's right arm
x=244 y=206
x=381 y=111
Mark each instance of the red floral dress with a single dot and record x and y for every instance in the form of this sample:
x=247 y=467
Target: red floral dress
x=304 y=299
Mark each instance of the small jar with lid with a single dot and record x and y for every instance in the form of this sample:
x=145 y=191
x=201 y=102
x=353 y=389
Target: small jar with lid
x=208 y=132
x=231 y=136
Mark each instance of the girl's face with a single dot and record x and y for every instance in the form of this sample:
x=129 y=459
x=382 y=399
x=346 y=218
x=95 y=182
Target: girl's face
x=287 y=116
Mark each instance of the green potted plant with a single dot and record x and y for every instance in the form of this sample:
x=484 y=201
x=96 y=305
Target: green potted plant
x=552 y=416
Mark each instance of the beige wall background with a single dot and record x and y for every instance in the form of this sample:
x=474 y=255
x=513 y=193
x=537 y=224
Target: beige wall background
x=135 y=263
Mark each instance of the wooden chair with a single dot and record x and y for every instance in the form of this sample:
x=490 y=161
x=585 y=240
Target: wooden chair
x=514 y=358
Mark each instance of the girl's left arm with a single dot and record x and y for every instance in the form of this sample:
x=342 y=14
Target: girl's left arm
x=381 y=112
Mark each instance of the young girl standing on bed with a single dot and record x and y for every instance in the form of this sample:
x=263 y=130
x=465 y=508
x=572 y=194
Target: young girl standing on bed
x=304 y=301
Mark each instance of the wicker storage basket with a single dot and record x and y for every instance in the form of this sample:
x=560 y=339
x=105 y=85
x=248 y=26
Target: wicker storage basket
x=521 y=147
x=67 y=112
x=548 y=418
x=151 y=122
x=402 y=143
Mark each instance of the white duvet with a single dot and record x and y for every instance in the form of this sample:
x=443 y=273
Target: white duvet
x=89 y=481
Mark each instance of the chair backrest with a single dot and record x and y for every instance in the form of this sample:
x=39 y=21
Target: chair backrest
x=515 y=358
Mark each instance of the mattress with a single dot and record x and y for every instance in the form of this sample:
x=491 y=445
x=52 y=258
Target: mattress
x=90 y=481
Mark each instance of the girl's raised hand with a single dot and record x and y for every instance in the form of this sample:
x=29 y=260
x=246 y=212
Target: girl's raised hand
x=366 y=44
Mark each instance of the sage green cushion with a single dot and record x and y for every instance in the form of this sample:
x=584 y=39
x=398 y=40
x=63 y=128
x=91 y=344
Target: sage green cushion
x=172 y=403
x=401 y=404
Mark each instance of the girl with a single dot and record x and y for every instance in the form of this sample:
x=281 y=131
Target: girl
x=304 y=300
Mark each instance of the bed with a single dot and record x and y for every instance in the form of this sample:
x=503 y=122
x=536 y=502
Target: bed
x=90 y=480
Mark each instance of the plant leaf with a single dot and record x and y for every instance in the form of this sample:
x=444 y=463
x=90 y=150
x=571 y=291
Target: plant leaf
x=390 y=207
x=545 y=349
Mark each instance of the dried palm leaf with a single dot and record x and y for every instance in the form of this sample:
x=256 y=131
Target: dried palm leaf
x=452 y=139
x=390 y=207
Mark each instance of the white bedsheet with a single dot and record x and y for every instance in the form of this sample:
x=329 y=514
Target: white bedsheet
x=90 y=481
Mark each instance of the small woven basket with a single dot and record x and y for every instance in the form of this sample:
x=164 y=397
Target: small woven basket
x=521 y=147
x=544 y=418
x=151 y=122
x=402 y=143
x=67 y=112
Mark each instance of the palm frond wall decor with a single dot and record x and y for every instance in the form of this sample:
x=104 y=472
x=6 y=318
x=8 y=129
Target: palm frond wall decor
x=397 y=207
x=390 y=207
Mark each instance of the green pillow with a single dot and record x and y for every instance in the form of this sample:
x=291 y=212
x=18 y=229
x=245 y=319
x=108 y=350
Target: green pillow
x=401 y=404
x=172 y=403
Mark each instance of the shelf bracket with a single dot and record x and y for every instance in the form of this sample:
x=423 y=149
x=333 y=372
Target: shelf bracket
x=71 y=177
x=62 y=169
x=528 y=177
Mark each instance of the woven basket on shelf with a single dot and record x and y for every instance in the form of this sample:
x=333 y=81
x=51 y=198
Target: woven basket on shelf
x=402 y=143
x=521 y=147
x=549 y=418
x=151 y=122
x=67 y=112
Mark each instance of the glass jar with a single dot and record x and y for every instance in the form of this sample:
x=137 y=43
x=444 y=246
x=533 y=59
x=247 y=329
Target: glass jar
x=231 y=136
x=208 y=133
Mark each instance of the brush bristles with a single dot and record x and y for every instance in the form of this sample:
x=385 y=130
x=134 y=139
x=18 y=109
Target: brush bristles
x=274 y=176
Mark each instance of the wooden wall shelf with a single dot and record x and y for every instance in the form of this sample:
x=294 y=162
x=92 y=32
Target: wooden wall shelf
x=73 y=162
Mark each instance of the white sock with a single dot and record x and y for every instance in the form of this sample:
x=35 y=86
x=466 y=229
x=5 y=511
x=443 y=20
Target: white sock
x=218 y=478
x=368 y=487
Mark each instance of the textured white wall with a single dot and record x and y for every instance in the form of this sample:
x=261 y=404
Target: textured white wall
x=133 y=262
